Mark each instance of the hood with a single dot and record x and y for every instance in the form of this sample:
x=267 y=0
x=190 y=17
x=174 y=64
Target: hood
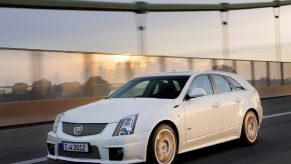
x=111 y=110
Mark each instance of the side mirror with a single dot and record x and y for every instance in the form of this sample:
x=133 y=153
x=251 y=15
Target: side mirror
x=196 y=92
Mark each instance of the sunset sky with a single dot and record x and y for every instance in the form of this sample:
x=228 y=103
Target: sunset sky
x=186 y=34
x=196 y=34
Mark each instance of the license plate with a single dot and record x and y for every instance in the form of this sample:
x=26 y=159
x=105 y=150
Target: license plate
x=77 y=147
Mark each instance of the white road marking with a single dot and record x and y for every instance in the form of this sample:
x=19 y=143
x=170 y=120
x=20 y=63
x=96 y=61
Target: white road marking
x=42 y=159
x=36 y=160
x=276 y=115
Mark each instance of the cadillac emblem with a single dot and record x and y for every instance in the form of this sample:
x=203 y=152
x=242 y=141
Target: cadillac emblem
x=78 y=129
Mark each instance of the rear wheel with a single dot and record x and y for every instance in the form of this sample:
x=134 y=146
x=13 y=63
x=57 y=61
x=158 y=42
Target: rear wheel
x=250 y=128
x=163 y=145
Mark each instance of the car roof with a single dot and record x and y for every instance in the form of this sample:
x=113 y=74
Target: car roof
x=187 y=73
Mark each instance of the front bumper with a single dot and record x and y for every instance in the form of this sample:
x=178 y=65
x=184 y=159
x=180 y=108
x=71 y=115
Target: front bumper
x=134 y=146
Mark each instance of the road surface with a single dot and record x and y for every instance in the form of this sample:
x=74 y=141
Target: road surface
x=28 y=144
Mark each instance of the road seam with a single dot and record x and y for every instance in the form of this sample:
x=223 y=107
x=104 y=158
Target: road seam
x=276 y=115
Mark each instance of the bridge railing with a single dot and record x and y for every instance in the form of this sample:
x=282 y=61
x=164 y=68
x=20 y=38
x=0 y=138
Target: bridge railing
x=35 y=85
x=44 y=74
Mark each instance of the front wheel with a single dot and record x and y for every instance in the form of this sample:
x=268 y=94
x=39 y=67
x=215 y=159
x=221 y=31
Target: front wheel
x=163 y=146
x=250 y=128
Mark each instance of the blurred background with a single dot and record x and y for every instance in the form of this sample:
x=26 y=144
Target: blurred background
x=54 y=60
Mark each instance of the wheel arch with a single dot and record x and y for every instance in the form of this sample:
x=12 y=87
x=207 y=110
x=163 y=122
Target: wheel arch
x=246 y=108
x=169 y=123
x=243 y=118
x=251 y=106
x=242 y=135
x=256 y=113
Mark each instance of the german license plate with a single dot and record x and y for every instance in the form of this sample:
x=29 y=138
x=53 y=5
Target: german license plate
x=76 y=147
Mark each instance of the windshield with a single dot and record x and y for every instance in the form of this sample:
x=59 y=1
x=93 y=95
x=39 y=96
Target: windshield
x=162 y=87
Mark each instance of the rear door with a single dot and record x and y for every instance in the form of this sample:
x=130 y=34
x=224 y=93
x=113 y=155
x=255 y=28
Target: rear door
x=231 y=117
x=228 y=101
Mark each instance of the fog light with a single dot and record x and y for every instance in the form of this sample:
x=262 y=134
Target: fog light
x=115 y=154
x=51 y=148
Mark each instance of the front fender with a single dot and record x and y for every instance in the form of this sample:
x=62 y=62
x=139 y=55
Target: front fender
x=149 y=119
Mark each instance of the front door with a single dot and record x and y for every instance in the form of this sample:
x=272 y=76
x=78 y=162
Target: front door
x=203 y=114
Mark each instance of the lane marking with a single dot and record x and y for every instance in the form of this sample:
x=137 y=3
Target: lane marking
x=42 y=159
x=277 y=115
x=36 y=160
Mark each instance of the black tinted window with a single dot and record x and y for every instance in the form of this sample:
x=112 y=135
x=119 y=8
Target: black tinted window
x=203 y=82
x=235 y=86
x=222 y=85
x=164 y=87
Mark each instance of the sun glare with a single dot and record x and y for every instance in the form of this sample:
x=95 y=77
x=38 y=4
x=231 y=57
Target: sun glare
x=122 y=58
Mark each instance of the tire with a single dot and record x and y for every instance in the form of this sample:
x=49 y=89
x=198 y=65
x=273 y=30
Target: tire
x=250 y=128
x=162 y=145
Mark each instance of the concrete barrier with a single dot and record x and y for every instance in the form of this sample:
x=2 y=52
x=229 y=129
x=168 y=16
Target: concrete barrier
x=274 y=91
x=25 y=112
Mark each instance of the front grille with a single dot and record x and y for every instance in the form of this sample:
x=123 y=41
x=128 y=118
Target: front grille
x=83 y=129
x=92 y=154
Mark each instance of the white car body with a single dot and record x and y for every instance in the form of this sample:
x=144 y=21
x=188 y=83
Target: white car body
x=198 y=122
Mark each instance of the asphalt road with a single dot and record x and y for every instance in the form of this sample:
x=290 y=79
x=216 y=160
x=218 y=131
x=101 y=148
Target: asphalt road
x=273 y=145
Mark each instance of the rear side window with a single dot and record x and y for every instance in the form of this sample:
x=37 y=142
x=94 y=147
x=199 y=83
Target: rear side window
x=203 y=82
x=235 y=86
x=222 y=86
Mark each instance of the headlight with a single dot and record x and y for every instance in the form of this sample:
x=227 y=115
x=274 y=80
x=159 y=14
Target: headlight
x=126 y=126
x=56 y=123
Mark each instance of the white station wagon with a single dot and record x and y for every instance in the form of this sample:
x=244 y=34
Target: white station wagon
x=155 y=117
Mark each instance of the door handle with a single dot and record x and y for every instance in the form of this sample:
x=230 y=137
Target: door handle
x=237 y=100
x=215 y=105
